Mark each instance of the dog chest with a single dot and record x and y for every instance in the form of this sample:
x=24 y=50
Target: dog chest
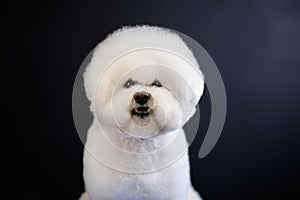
x=169 y=183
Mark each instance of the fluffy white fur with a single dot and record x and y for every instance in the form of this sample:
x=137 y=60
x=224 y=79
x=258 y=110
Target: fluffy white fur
x=108 y=167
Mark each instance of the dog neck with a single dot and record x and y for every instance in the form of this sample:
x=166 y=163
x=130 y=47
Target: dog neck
x=121 y=152
x=139 y=145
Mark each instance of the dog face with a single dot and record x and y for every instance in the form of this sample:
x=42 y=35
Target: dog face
x=143 y=102
x=143 y=87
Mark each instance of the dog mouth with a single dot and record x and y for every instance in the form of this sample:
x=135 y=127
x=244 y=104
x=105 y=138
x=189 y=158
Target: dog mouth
x=142 y=111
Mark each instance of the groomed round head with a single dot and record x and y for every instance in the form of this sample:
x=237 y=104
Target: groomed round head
x=143 y=82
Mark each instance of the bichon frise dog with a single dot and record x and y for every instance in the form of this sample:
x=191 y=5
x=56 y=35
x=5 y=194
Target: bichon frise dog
x=143 y=83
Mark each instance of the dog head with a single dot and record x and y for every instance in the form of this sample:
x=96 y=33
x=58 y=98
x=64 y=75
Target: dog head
x=143 y=92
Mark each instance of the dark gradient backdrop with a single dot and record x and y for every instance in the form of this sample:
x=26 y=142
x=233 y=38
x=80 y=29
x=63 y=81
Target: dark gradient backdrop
x=255 y=44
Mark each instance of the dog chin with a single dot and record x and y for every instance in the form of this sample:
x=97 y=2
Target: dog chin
x=142 y=123
x=141 y=119
x=147 y=122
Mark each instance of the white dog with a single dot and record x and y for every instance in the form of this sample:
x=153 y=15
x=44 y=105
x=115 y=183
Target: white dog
x=143 y=83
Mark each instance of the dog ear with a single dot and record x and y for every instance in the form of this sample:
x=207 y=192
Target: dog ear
x=190 y=96
x=94 y=81
x=93 y=75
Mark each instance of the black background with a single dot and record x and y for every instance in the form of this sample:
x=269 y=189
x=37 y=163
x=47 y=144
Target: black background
x=255 y=45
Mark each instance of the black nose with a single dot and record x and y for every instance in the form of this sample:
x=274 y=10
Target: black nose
x=142 y=97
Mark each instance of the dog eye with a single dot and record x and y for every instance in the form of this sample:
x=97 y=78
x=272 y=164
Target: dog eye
x=129 y=83
x=156 y=84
